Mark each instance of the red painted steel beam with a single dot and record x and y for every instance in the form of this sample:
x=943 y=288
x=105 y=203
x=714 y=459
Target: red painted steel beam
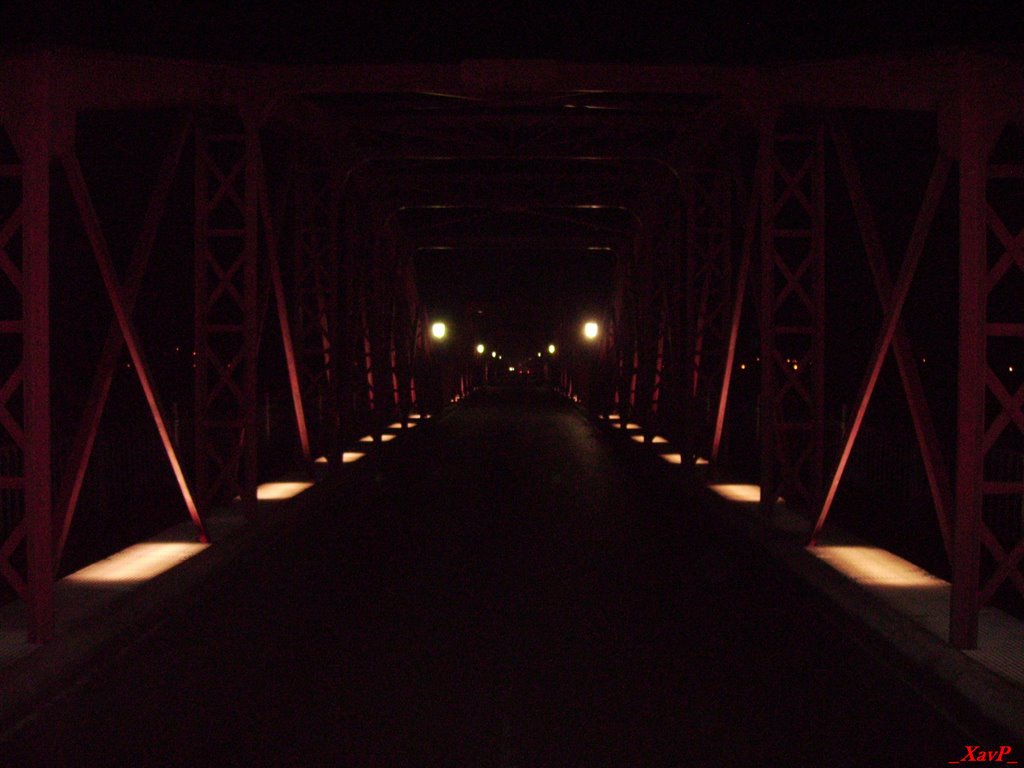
x=792 y=398
x=100 y=80
x=250 y=316
x=972 y=158
x=14 y=479
x=227 y=315
x=935 y=466
x=34 y=145
x=316 y=292
x=85 y=436
x=94 y=232
x=749 y=233
x=1010 y=413
x=710 y=256
x=892 y=312
x=281 y=303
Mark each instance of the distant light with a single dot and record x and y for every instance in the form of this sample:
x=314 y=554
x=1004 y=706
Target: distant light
x=438 y=330
x=493 y=353
x=551 y=349
x=590 y=329
x=538 y=354
x=480 y=349
x=511 y=368
x=743 y=366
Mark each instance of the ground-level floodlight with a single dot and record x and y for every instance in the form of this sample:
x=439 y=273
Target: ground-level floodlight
x=438 y=330
x=590 y=330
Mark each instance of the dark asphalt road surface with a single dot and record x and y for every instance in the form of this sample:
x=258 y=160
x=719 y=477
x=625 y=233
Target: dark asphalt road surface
x=511 y=589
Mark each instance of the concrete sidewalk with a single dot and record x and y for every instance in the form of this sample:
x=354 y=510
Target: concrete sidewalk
x=900 y=605
x=105 y=606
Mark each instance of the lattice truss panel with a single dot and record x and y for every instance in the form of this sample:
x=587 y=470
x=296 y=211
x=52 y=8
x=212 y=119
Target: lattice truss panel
x=12 y=436
x=1002 y=461
x=792 y=315
x=226 y=312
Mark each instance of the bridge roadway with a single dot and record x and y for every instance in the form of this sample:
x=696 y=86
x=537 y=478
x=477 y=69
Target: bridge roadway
x=508 y=586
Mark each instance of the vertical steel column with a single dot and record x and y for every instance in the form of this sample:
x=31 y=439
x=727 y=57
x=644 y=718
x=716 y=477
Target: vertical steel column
x=36 y=150
x=792 y=317
x=963 y=630
x=251 y=315
x=766 y=325
x=989 y=417
x=227 y=316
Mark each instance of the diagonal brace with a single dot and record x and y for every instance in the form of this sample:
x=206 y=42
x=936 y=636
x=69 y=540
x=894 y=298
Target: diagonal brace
x=90 y=220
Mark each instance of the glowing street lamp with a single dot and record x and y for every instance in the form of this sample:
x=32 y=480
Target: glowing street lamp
x=438 y=330
x=590 y=330
x=551 y=349
x=480 y=349
x=493 y=353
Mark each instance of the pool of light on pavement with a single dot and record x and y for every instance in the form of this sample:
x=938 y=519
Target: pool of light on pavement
x=137 y=563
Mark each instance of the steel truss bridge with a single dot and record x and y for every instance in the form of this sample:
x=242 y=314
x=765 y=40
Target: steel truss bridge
x=284 y=211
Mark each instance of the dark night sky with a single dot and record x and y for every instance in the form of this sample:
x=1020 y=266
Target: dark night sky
x=734 y=31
